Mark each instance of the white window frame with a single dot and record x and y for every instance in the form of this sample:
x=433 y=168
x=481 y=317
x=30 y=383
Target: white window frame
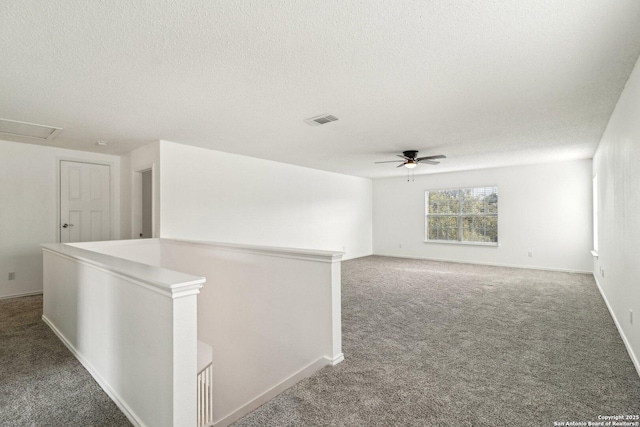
x=460 y=215
x=596 y=242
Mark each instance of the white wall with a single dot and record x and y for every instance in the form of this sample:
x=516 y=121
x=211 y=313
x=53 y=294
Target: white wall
x=29 y=209
x=544 y=209
x=617 y=165
x=215 y=196
x=125 y=196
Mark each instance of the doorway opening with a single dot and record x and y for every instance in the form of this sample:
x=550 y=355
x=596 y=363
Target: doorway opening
x=147 y=204
x=143 y=226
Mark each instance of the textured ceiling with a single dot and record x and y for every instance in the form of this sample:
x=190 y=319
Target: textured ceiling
x=488 y=83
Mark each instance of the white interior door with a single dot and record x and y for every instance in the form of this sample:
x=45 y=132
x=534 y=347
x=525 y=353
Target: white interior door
x=85 y=202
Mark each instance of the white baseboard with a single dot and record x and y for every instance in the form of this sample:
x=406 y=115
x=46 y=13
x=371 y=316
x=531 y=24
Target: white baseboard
x=348 y=258
x=94 y=373
x=333 y=362
x=25 y=294
x=273 y=392
x=526 y=267
x=632 y=355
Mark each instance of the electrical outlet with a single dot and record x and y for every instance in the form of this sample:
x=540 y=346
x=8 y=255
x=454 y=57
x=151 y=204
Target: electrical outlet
x=530 y=254
x=602 y=272
x=12 y=275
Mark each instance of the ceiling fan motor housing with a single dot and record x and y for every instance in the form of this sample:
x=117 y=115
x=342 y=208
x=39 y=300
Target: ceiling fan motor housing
x=412 y=154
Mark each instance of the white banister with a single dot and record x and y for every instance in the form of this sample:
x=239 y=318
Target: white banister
x=205 y=403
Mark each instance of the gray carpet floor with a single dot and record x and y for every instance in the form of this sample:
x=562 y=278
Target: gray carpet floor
x=41 y=382
x=426 y=344
x=442 y=344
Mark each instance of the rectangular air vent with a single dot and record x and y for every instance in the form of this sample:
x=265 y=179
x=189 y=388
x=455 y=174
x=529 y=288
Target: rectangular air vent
x=28 y=130
x=321 y=120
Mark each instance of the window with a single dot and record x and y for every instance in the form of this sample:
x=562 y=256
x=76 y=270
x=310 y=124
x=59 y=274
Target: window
x=462 y=215
x=595 y=214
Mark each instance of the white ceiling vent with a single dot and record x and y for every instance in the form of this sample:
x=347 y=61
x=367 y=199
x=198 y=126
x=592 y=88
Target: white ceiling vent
x=28 y=130
x=321 y=120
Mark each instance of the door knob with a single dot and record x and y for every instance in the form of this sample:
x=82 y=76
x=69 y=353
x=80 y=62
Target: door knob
x=67 y=225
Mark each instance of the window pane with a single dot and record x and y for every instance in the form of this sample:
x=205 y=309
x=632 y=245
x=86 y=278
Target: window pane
x=470 y=203
x=442 y=227
x=595 y=213
x=443 y=202
x=491 y=202
x=480 y=229
x=479 y=200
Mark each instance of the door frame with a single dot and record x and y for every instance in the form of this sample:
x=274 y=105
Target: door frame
x=112 y=192
x=136 y=199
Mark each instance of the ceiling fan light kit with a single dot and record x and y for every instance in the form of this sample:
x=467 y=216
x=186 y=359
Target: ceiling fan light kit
x=410 y=159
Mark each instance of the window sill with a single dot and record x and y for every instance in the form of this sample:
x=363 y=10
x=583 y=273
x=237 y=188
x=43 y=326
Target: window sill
x=453 y=242
x=595 y=254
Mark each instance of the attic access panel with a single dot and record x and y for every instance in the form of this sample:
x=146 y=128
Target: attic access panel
x=28 y=130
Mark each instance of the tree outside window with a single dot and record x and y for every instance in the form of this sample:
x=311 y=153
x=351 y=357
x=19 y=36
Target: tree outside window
x=462 y=215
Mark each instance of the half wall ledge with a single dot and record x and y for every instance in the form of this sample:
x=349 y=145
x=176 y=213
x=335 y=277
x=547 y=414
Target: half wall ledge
x=133 y=326
x=133 y=311
x=166 y=282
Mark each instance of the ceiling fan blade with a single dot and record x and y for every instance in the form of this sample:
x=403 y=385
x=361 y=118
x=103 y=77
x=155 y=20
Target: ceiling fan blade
x=429 y=162
x=399 y=166
x=403 y=157
x=439 y=156
x=391 y=161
